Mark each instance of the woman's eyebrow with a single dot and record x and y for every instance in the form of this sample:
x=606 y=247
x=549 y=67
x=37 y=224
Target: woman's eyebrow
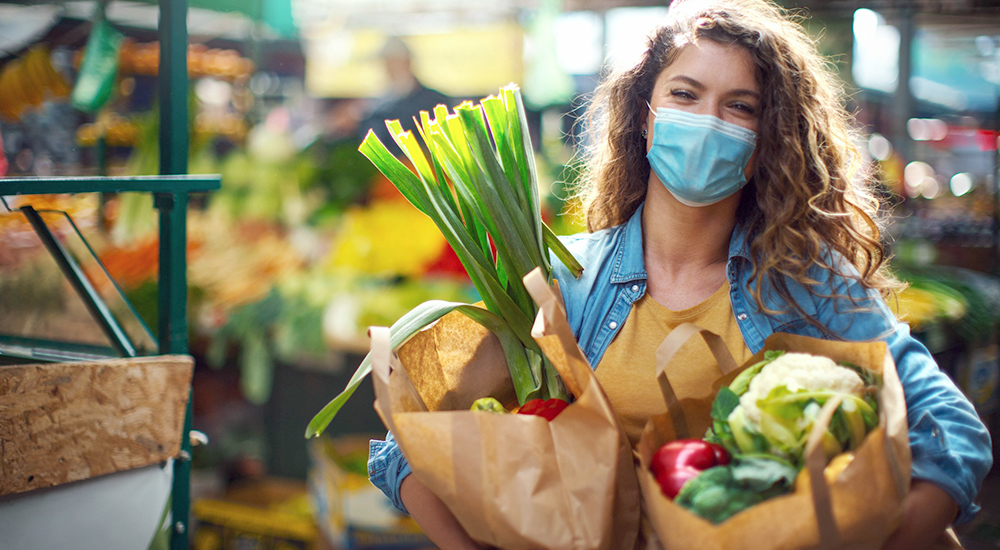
x=687 y=79
x=698 y=85
x=740 y=92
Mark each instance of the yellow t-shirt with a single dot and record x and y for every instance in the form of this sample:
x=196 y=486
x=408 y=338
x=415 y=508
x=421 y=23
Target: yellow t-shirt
x=628 y=370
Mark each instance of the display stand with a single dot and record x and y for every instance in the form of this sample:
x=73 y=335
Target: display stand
x=106 y=496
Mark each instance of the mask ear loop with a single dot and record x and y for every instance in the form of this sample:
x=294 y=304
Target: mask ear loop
x=645 y=132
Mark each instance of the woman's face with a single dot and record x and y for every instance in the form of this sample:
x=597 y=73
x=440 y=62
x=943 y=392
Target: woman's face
x=709 y=78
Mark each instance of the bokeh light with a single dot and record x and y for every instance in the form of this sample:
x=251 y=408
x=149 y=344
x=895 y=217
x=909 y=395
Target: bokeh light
x=962 y=183
x=879 y=147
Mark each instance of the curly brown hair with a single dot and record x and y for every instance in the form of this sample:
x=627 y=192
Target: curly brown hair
x=810 y=192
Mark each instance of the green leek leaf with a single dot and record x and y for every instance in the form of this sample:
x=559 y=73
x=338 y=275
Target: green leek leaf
x=414 y=321
x=474 y=175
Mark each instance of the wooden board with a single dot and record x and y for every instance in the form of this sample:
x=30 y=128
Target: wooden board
x=64 y=422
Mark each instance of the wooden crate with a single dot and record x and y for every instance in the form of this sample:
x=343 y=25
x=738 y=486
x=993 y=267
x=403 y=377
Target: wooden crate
x=65 y=422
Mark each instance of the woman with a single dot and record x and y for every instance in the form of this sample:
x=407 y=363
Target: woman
x=724 y=189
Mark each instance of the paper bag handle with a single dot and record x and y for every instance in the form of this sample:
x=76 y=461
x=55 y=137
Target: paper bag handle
x=381 y=356
x=394 y=391
x=670 y=346
x=829 y=534
x=550 y=305
x=381 y=352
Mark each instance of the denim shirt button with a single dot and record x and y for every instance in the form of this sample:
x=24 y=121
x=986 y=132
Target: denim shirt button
x=742 y=316
x=612 y=325
x=635 y=288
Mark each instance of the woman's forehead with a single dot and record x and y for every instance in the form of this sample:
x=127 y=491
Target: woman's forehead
x=712 y=63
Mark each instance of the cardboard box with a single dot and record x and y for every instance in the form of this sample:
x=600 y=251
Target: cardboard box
x=350 y=511
x=268 y=514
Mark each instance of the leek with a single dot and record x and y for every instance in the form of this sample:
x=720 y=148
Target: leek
x=474 y=176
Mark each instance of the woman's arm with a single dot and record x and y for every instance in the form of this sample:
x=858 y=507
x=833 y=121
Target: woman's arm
x=929 y=511
x=949 y=444
x=436 y=520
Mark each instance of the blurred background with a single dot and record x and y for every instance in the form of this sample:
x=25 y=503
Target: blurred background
x=306 y=245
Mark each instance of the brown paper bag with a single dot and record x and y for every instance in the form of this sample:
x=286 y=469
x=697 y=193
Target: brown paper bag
x=512 y=481
x=860 y=510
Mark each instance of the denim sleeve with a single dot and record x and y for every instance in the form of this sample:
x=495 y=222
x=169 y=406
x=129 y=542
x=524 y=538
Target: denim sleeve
x=949 y=443
x=387 y=467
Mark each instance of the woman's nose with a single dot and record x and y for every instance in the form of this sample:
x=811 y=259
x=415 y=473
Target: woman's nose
x=713 y=108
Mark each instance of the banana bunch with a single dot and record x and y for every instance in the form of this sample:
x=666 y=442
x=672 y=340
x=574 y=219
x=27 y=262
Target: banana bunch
x=925 y=300
x=915 y=306
x=29 y=81
x=143 y=58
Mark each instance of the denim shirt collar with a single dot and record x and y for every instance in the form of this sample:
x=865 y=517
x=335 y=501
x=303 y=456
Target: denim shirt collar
x=630 y=265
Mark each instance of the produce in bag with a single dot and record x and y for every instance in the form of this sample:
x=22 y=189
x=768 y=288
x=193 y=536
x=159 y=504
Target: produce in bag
x=764 y=418
x=475 y=178
x=679 y=461
x=762 y=494
x=513 y=481
x=772 y=406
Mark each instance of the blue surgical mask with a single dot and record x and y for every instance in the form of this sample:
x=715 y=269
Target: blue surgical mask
x=699 y=158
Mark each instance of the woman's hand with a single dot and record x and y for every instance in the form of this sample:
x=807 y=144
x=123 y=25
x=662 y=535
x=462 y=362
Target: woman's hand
x=436 y=520
x=929 y=511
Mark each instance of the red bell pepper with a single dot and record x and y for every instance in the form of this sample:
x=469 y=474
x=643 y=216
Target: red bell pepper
x=677 y=462
x=546 y=408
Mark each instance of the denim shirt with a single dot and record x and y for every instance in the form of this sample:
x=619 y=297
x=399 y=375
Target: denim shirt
x=949 y=444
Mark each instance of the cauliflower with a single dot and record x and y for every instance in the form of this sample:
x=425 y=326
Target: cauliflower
x=799 y=371
x=772 y=406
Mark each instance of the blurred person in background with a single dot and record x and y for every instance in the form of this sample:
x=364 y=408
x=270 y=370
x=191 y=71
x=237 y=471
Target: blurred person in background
x=404 y=97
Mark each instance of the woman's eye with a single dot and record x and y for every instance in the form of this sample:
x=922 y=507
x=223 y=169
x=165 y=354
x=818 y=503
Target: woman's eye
x=682 y=94
x=745 y=107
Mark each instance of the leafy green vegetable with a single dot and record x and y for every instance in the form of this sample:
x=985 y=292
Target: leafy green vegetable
x=870 y=378
x=723 y=491
x=741 y=383
x=787 y=417
x=474 y=176
x=725 y=402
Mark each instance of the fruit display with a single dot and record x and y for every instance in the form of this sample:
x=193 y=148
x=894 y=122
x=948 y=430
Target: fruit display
x=143 y=58
x=416 y=240
x=117 y=130
x=122 y=131
x=924 y=301
x=966 y=301
x=27 y=82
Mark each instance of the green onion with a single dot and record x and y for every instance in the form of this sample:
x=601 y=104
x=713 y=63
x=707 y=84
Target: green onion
x=474 y=176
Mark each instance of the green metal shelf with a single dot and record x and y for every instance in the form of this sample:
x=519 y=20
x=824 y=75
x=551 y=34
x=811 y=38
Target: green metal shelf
x=170 y=192
x=104 y=184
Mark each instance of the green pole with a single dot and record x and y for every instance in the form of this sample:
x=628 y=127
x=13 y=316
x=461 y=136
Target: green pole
x=173 y=92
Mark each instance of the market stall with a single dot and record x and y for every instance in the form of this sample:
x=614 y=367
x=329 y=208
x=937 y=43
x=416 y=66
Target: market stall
x=303 y=244
x=159 y=496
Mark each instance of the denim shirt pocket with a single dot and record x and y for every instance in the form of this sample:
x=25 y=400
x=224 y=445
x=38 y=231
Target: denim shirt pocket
x=783 y=316
x=927 y=438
